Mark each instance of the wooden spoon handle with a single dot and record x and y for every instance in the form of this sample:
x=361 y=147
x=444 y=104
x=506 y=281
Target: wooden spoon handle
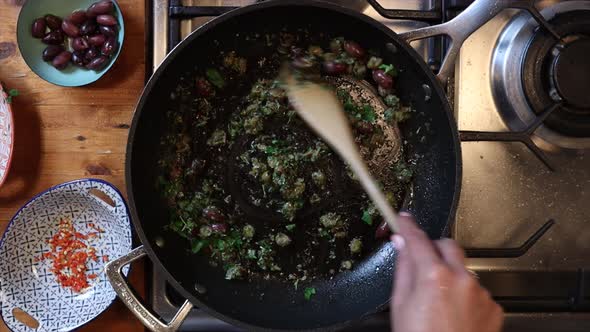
x=371 y=187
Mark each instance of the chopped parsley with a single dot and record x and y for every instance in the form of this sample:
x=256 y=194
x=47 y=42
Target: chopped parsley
x=399 y=114
x=234 y=272
x=215 y=77
x=388 y=69
x=368 y=113
x=308 y=293
x=198 y=245
x=358 y=110
x=367 y=217
x=11 y=93
x=251 y=254
x=271 y=150
x=403 y=171
x=217 y=138
x=391 y=100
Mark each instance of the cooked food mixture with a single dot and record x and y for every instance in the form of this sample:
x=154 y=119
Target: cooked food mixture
x=70 y=253
x=251 y=187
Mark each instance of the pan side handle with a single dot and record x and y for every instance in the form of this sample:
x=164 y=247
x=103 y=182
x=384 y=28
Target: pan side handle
x=127 y=295
x=462 y=26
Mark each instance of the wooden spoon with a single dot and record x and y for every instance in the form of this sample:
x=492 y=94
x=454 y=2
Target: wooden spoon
x=323 y=112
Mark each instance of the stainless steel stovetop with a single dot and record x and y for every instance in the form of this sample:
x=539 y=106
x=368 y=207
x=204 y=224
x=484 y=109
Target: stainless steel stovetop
x=504 y=183
x=524 y=218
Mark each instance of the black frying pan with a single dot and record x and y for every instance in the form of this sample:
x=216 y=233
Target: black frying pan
x=348 y=296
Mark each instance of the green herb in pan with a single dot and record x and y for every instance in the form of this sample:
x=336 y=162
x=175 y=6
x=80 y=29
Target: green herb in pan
x=215 y=77
x=367 y=217
x=289 y=182
x=388 y=69
x=309 y=292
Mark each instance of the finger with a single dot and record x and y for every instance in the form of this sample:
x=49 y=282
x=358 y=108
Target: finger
x=452 y=254
x=404 y=276
x=419 y=247
x=497 y=318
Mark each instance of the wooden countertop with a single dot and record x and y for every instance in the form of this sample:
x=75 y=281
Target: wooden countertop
x=63 y=134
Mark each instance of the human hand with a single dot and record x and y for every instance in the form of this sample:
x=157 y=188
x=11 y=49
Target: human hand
x=433 y=291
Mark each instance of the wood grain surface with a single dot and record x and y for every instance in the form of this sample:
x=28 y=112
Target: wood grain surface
x=63 y=134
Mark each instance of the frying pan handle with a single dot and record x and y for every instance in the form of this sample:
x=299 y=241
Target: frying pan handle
x=115 y=275
x=462 y=26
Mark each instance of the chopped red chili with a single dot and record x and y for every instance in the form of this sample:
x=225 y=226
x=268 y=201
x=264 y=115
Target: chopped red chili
x=69 y=255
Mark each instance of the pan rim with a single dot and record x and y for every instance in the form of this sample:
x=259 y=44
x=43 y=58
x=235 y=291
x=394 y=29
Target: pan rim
x=437 y=88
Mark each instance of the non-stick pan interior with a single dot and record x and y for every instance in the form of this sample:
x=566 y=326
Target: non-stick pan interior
x=348 y=296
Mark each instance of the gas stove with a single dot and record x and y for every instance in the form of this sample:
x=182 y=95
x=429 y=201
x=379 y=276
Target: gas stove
x=521 y=105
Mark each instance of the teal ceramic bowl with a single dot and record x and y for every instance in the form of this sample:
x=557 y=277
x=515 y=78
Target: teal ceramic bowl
x=32 y=48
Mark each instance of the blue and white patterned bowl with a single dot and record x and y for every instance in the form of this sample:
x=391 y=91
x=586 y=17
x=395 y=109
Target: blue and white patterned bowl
x=29 y=285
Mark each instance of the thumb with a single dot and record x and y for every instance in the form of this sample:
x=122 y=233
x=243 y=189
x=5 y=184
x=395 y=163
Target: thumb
x=403 y=281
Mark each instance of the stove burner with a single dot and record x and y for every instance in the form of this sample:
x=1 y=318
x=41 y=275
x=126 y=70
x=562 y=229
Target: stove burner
x=570 y=71
x=557 y=71
x=533 y=70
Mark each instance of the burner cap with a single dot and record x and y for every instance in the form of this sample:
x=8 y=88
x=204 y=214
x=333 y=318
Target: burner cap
x=571 y=71
x=559 y=71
